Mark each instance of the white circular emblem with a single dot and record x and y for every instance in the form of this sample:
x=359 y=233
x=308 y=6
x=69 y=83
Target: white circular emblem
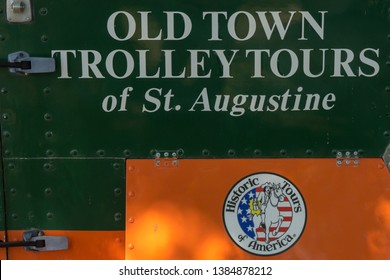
x=264 y=214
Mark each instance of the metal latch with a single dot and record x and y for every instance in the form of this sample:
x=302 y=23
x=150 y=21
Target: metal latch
x=21 y=62
x=36 y=240
x=19 y=11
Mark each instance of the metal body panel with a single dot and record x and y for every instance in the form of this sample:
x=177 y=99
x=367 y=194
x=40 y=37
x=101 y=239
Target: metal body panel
x=176 y=213
x=3 y=253
x=297 y=88
x=81 y=194
x=74 y=109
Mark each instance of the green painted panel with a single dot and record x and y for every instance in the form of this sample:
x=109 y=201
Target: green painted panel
x=136 y=76
x=68 y=194
x=2 y=208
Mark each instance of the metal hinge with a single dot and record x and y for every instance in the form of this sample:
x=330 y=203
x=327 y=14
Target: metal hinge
x=21 y=62
x=19 y=11
x=347 y=158
x=167 y=159
x=36 y=240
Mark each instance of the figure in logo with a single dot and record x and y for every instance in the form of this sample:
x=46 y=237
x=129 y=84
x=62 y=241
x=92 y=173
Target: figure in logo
x=268 y=201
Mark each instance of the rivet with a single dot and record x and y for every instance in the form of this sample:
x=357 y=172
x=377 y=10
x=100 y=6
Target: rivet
x=309 y=152
x=48 y=117
x=46 y=90
x=74 y=153
x=13 y=191
x=153 y=152
x=5 y=116
x=205 y=152
x=231 y=152
x=126 y=153
x=283 y=152
x=2 y=38
x=131 y=220
x=48 y=191
x=49 y=216
x=7 y=153
x=180 y=152
x=4 y=91
x=118 y=240
x=7 y=134
x=118 y=216
x=49 y=134
x=44 y=38
x=101 y=153
x=47 y=166
x=43 y=11
x=257 y=152
x=130 y=246
x=49 y=153
x=131 y=168
x=14 y=216
x=11 y=166
x=116 y=165
x=131 y=194
x=117 y=191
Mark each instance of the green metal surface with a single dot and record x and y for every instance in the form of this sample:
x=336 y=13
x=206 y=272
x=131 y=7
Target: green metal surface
x=63 y=131
x=46 y=115
x=65 y=194
x=2 y=208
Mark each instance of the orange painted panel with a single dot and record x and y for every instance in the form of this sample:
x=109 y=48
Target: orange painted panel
x=175 y=212
x=3 y=253
x=83 y=245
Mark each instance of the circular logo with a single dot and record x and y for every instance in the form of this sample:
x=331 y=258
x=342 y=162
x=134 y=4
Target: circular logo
x=264 y=214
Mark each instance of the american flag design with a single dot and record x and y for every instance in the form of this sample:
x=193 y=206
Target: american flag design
x=248 y=216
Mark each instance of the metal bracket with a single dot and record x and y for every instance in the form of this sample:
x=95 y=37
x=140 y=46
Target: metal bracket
x=19 y=11
x=386 y=157
x=36 y=240
x=51 y=243
x=36 y=64
x=347 y=158
x=167 y=159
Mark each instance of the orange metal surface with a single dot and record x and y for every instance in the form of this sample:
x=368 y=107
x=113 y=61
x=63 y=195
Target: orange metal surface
x=90 y=245
x=176 y=212
x=3 y=255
